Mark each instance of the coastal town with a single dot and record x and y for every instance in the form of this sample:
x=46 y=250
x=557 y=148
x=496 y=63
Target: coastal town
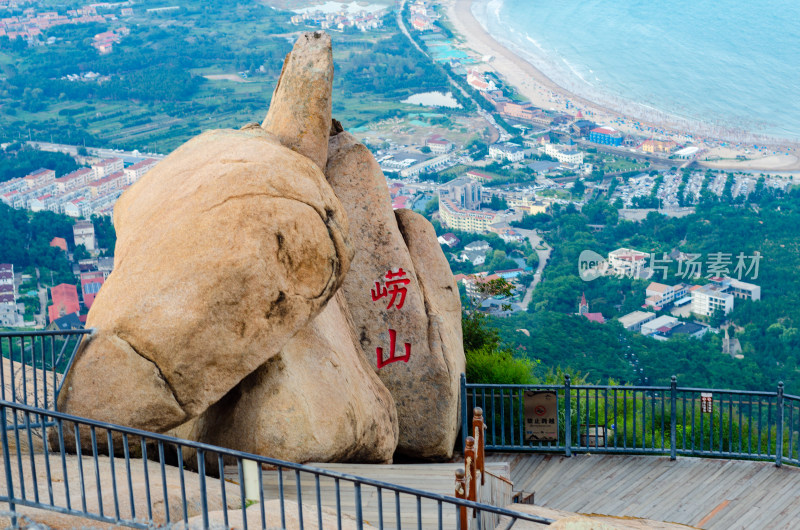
x=527 y=160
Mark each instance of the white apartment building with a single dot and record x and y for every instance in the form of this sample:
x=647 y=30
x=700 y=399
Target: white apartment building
x=564 y=154
x=83 y=234
x=747 y=291
x=40 y=177
x=457 y=218
x=708 y=298
x=627 y=262
x=73 y=180
x=137 y=170
x=106 y=167
x=659 y=294
x=510 y=152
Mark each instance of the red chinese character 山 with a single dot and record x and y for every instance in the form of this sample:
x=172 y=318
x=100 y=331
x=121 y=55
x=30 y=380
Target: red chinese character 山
x=395 y=286
x=393 y=357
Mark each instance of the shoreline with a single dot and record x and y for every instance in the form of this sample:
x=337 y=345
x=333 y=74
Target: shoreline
x=543 y=92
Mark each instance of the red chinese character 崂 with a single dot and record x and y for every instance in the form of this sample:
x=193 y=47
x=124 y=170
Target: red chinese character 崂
x=393 y=358
x=394 y=286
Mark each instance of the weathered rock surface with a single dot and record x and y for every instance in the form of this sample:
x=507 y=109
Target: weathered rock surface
x=422 y=384
x=443 y=307
x=225 y=250
x=317 y=401
x=300 y=112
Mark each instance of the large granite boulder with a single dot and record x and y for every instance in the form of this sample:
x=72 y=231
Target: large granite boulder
x=317 y=401
x=402 y=314
x=225 y=250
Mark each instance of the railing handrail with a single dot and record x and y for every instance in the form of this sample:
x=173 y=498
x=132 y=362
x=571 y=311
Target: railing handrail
x=46 y=333
x=240 y=455
x=674 y=420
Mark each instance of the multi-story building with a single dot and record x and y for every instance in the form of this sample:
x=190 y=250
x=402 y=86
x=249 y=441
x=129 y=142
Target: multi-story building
x=658 y=146
x=433 y=164
x=90 y=286
x=40 y=177
x=83 y=233
x=463 y=192
x=477 y=80
x=106 y=167
x=582 y=127
x=565 y=154
x=627 y=262
x=8 y=297
x=76 y=179
x=438 y=144
x=507 y=151
x=709 y=298
x=744 y=290
x=634 y=321
x=660 y=295
x=458 y=218
x=104 y=186
x=137 y=170
x=606 y=136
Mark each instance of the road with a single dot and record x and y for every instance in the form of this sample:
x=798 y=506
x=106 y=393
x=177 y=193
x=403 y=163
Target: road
x=496 y=132
x=72 y=150
x=41 y=318
x=544 y=257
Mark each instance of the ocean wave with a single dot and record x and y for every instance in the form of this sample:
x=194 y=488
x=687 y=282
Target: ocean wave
x=586 y=82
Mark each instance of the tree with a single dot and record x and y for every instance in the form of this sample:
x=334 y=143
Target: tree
x=425 y=149
x=80 y=253
x=578 y=188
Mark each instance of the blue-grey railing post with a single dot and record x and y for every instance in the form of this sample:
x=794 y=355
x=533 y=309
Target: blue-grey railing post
x=779 y=430
x=7 y=462
x=673 y=399
x=567 y=418
x=464 y=408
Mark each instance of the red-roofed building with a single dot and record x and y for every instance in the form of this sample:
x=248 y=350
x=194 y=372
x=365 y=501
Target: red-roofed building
x=106 y=185
x=59 y=242
x=75 y=179
x=400 y=202
x=439 y=145
x=606 y=136
x=595 y=317
x=137 y=170
x=40 y=177
x=449 y=239
x=65 y=301
x=90 y=286
x=107 y=166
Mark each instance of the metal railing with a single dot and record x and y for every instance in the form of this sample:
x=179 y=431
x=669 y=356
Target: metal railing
x=34 y=363
x=102 y=472
x=126 y=476
x=672 y=420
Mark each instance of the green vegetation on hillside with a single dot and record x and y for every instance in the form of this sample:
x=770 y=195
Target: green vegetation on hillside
x=18 y=161
x=768 y=329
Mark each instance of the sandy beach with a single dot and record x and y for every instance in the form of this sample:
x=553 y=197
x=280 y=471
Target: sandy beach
x=781 y=156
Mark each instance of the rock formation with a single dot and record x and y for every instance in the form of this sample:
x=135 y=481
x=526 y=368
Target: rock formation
x=385 y=291
x=224 y=320
x=225 y=250
x=317 y=401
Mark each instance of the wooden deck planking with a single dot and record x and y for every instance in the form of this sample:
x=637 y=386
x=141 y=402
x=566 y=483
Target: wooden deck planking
x=685 y=491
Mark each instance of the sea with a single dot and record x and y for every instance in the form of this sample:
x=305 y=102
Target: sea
x=731 y=65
